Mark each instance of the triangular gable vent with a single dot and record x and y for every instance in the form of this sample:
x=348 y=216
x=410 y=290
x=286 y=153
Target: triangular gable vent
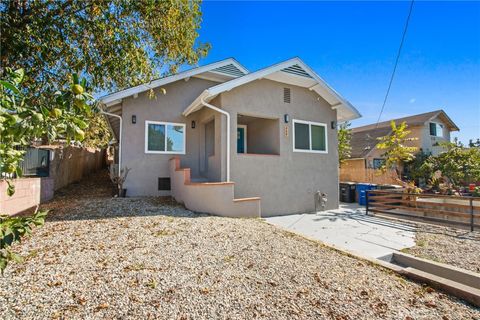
x=229 y=69
x=297 y=70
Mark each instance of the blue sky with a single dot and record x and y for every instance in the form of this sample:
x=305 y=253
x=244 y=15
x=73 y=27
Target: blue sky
x=352 y=45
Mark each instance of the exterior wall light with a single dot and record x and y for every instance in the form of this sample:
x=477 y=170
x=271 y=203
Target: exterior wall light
x=286 y=118
x=134 y=119
x=193 y=124
x=333 y=124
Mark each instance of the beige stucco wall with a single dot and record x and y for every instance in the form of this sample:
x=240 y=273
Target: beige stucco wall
x=429 y=142
x=147 y=168
x=286 y=182
x=214 y=198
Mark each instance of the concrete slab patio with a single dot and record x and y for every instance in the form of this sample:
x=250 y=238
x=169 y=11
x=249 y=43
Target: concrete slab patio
x=350 y=228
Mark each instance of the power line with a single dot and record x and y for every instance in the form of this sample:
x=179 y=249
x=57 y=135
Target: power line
x=396 y=62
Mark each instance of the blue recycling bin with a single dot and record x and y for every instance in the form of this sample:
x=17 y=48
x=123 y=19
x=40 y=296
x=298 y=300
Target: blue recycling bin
x=362 y=189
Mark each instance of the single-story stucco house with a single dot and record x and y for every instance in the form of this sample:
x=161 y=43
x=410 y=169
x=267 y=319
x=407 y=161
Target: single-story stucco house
x=226 y=141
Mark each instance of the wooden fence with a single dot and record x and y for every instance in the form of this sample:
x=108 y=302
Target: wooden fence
x=354 y=170
x=453 y=210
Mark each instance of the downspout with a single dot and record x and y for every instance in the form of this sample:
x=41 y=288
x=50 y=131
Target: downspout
x=228 y=132
x=119 y=138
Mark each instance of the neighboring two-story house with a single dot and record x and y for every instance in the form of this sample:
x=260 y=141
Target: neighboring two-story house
x=226 y=141
x=429 y=128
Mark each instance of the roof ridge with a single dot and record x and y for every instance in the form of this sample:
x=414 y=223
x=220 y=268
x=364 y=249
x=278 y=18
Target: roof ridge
x=387 y=122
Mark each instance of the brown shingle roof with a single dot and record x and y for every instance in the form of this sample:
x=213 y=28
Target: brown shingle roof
x=410 y=120
x=364 y=141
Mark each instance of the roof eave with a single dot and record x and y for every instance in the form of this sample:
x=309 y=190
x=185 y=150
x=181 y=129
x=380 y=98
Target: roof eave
x=345 y=111
x=110 y=98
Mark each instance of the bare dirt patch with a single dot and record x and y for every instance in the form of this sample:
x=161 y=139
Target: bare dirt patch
x=147 y=258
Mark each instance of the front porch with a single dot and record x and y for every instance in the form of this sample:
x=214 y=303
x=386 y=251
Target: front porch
x=210 y=197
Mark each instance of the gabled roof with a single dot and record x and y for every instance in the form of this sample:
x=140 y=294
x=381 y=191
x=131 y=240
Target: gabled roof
x=221 y=71
x=364 y=141
x=294 y=72
x=418 y=119
x=364 y=138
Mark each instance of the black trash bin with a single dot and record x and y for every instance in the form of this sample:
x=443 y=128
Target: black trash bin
x=347 y=192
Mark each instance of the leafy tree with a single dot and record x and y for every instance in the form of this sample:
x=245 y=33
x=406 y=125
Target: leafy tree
x=419 y=168
x=344 y=137
x=98 y=134
x=396 y=150
x=474 y=144
x=459 y=165
x=64 y=115
x=112 y=43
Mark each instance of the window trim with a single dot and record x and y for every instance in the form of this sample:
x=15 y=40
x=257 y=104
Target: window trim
x=148 y=122
x=310 y=123
x=437 y=124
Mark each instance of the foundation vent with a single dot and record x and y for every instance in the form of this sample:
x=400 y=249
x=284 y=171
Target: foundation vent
x=286 y=95
x=164 y=184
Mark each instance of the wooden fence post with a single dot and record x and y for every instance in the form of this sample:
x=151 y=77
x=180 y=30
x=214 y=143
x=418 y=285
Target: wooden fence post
x=366 y=204
x=471 y=215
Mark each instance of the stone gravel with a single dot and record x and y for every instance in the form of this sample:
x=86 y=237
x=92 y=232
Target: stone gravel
x=456 y=247
x=149 y=258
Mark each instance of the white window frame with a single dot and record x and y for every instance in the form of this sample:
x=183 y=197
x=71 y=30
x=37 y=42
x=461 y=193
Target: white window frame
x=310 y=123
x=148 y=122
x=437 y=125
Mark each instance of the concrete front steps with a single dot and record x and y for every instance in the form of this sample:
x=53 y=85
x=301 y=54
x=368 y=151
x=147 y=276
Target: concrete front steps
x=209 y=197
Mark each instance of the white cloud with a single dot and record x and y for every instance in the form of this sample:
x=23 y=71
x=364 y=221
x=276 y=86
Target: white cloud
x=412 y=100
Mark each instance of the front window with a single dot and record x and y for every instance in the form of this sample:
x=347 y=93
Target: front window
x=309 y=136
x=378 y=163
x=164 y=137
x=436 y=129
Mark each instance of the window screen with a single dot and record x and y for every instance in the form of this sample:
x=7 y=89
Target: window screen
x=302 y=137
x=156 y=137
x=318 y=138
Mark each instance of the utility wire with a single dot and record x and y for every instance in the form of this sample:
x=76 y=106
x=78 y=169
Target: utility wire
x=396 y=62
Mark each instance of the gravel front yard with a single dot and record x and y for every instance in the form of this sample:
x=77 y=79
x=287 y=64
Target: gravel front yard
x=147 y=258
x=456 y=247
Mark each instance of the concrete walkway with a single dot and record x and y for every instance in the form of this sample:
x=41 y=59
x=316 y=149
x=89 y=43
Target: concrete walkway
x=350 y=228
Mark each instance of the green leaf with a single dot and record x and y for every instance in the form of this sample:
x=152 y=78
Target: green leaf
x=75 y=78
x=19 y=75
x=10 y=188
x=19 y=171
x=9 y=86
